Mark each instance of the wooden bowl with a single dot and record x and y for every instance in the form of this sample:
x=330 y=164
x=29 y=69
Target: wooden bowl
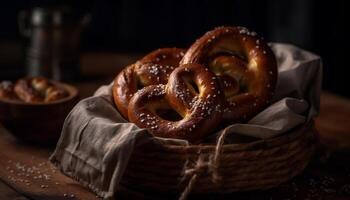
x=38 y=123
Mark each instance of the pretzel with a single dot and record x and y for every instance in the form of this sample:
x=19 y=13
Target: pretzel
x=7 y=90
x=192 y=92
x=245 y=65
x=152 y=69
x=38 y=90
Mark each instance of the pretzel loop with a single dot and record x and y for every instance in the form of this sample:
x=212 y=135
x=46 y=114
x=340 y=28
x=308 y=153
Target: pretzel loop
x=244 y=64
x=152 y=69
x=193 y=92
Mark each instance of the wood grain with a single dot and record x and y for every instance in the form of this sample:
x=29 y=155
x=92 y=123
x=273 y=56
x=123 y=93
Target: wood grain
x=27 y=169
x=8 y=193
x=334 y=122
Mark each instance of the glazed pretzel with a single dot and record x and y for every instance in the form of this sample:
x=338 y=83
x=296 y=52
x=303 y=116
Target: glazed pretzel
x=152 y=69
x=245 y=65
x=193 y=92
x=37 y=90
x=7 y=90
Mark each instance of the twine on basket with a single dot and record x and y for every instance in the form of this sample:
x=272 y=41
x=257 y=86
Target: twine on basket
x=203 y=166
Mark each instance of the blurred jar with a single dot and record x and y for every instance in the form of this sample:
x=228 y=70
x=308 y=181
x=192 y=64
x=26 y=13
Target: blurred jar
x=53 y=38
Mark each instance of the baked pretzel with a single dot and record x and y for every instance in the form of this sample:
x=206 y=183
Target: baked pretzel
x=37 y=90
x=193 y=92
x=245 y=65
x=152 y=69
x=7 y=90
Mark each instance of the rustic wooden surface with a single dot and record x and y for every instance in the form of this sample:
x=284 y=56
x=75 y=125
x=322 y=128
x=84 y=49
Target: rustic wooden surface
x=26 y=169
x=26 y=174
x=6 y=192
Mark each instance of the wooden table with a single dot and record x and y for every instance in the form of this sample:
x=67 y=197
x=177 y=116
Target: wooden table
x=25 y=173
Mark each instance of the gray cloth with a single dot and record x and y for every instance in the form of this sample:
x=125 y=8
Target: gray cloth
x=96 y=142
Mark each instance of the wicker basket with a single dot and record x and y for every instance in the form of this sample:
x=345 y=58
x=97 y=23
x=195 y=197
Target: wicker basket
x=259 y=165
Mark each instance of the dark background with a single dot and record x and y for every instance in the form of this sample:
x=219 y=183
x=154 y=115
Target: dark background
x=140 y=26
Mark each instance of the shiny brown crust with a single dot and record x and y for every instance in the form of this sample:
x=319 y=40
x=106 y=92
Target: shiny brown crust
x=38 y=90
x=245 y=65
x=199 y=108
x=7 y=90
x=152 y=69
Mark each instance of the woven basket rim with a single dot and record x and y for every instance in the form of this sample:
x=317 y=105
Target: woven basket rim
x=287 y=154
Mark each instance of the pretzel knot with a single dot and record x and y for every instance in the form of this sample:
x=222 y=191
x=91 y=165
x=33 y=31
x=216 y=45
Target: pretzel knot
x=38 y=89
x=227 y=75
x=187 y=107
x=244 y=64
x=152 y=69
x=32 y=90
